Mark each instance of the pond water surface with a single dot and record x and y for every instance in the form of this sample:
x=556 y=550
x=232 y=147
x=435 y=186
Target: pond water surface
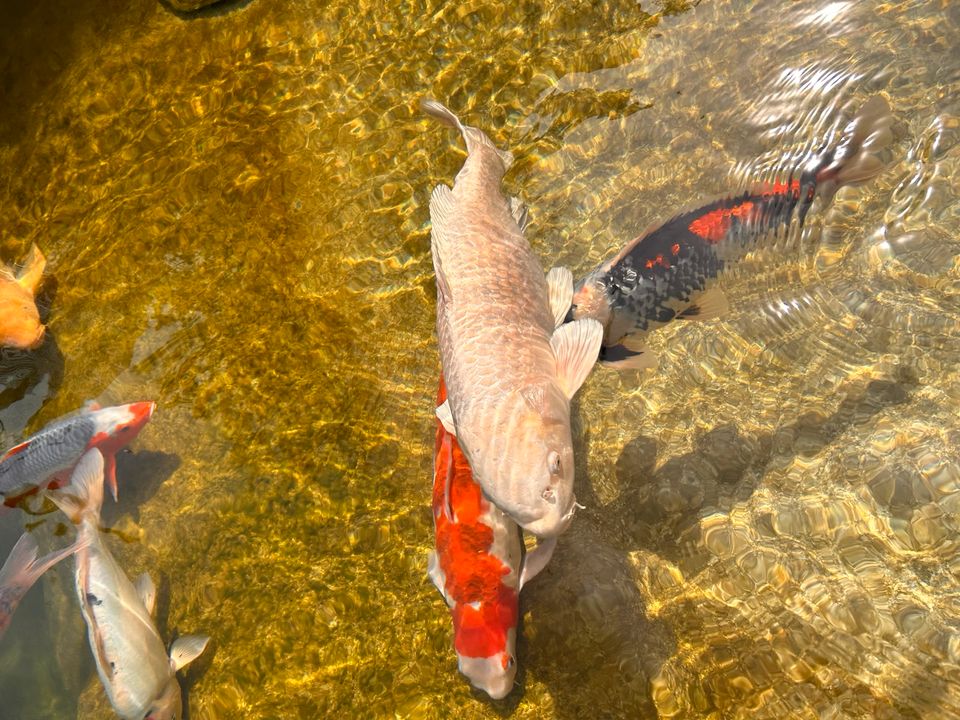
x=234 y=210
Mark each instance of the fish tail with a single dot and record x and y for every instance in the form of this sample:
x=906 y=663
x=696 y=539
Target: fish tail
x=83 y=497
x=23 y=568
x=857 y=158
x=441 y=112
x=471 y=136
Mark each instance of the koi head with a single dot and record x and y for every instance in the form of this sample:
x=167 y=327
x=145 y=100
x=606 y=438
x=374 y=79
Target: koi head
x=494 y=675
x=117 y=426
x=485 y=637
x=534 y=473
x=168 y=706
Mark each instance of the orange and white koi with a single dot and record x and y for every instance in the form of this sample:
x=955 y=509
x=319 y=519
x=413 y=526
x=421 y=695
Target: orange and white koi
x=479 y=567
x=22 y=569
x=49 y=456
x=671 y=271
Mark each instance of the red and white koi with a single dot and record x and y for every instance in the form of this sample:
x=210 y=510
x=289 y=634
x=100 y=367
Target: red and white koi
x=671 y=271
x=479 y=567
x=49 y=456
x=22 y=569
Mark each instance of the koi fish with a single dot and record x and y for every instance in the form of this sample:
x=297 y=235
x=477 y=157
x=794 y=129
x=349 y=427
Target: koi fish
x=49 y=456
x=479 y=568
x=22 y=570
x=20 y=325
x=511 y=372
x=671 y=271
x=137 y=674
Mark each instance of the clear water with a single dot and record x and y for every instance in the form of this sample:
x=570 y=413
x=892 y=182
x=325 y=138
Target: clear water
x=234 y=208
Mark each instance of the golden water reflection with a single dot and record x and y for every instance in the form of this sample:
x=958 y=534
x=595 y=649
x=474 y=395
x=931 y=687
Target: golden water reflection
x=234 y=208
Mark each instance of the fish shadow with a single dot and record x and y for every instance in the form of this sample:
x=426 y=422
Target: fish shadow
x=190 y=675
x=139 y=475
x=659 y=506
x=610 y=646
x=27 y=379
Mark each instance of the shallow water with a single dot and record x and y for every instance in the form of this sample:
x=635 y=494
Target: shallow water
x=234 y=209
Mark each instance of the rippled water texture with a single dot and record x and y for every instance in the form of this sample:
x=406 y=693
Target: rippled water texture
x=234 y=209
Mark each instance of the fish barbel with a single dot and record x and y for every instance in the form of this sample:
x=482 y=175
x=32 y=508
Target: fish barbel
x=510 y=373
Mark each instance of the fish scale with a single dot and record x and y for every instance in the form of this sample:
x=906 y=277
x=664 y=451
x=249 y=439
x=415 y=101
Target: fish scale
x=509 y=390
x=52 y=450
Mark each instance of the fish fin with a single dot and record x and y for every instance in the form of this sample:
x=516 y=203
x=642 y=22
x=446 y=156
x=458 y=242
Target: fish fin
x=521 y=214
x=445 y=416
x=110 y=473
x=576 y=347
x=84 y=495
x=621 y=357
x=559 y=293
x=857 y=159
x=707 y=306
x=441 y=209
x=16 y=569
x=435 y=573
x=22 y=568
x=186 y=649
x=471 y=135
x=506 y=157
x=536 y=560
x=441 y=112
x=147 y=592
x=31 y=274
x=16 y=449
x=91 y=406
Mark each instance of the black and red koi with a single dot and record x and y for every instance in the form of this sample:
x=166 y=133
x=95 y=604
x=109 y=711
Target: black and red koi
x=670 y=271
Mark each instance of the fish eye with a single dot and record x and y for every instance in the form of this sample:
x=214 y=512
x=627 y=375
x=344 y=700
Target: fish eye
x=511 y=662
x=553 y=462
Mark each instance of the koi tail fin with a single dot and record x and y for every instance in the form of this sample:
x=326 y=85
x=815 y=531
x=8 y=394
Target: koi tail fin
x=471 y=136
x=858 y=159
x=83 y=497
x=22 y=569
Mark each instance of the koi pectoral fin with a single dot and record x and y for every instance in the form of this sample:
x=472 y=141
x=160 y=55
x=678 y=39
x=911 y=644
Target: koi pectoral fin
x=186 y=649
x=435 y=573
x=445 y=416
x=520 y=213
x=559 y=293
x=147 y=592
x=536 y=560
x=621 y=357
x=707 y=306
x=576 y=346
